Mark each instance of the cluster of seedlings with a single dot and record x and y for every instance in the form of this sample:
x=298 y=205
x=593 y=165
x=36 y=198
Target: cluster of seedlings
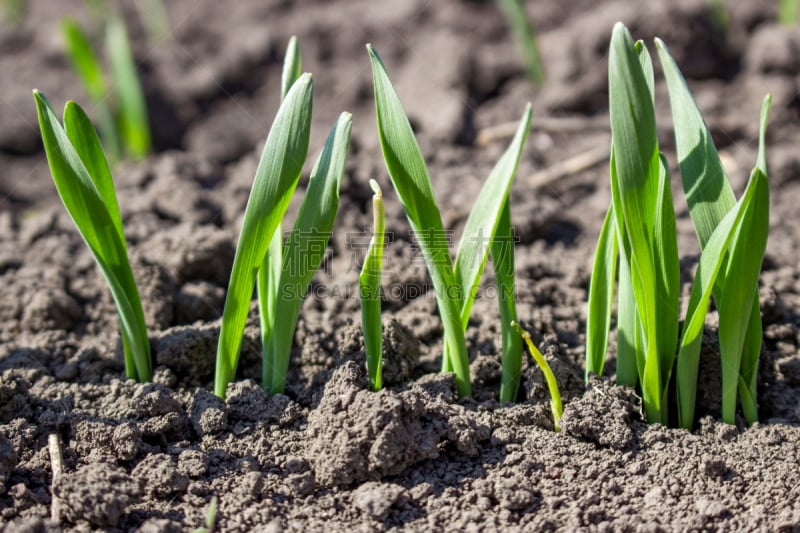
x=639 y=230
x=637 y=248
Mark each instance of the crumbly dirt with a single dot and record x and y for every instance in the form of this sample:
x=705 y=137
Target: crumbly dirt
x=330 y=454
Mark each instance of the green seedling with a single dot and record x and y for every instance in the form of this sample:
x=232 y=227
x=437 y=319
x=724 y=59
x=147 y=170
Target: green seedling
x=503 y=261
x=304 y=250
x=276 y=178
x=284 y=269
x=211 y=518
x=13 y=11
x=521 y=27
x=788 y=11
x=133 y=124
x=269 y=274
x=369 y=283
x=710 y=198
x=83 y=180
x=455 y=284
x=124 y=127
x=556 y=408
x=290 y=266
x=639 y=229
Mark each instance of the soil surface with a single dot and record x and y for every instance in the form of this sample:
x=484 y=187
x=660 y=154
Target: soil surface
x=330 y=455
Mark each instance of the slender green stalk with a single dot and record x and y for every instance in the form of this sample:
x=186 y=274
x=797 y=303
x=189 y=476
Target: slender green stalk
x=90 y=72
x=305 y=248
x=601 y=296
x=13 y=11
x=710 y=198
x=645 y=203
x=552 y=385
x=269 y=275
x=788 y=12
x=455 y=286
x=134 y=124
x=630 y=332
x=370 y=292
x=413 y=186
x=517 y=17
x=83 y=180
x=276 y=179
x=503 y=259
x=268 y=286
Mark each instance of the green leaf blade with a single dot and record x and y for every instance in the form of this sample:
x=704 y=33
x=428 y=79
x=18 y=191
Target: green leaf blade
x=276 y=179
x=708 y=191
x=412 y=183
x=369 y=282
x=503 y=259
x=483 y=219
x=134 y=123
x=98 y=224
x=292 y=66
x=306 y=244
x=641 y=193
x=83 y=59
x=601 y=296
x=711 y=262
x=87 y=144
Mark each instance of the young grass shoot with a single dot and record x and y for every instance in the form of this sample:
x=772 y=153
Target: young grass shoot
x=276 y=178
x=711 y=201
x=83 y=180
x=455 y=284
x=284 y=269
x=369 y=283
x=125 y=128
x=524 y=34
x=639 y=229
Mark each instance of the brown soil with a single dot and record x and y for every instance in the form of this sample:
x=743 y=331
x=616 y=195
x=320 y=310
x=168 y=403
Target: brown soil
x=330 y=455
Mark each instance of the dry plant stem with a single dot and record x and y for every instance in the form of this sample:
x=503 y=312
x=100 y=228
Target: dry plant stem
x=505 y=131
x=569 y=167
x=56 y=468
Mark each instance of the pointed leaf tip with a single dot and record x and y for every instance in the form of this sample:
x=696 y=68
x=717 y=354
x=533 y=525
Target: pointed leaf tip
x=376 y=188
x=619 y=27
x=375 y=56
